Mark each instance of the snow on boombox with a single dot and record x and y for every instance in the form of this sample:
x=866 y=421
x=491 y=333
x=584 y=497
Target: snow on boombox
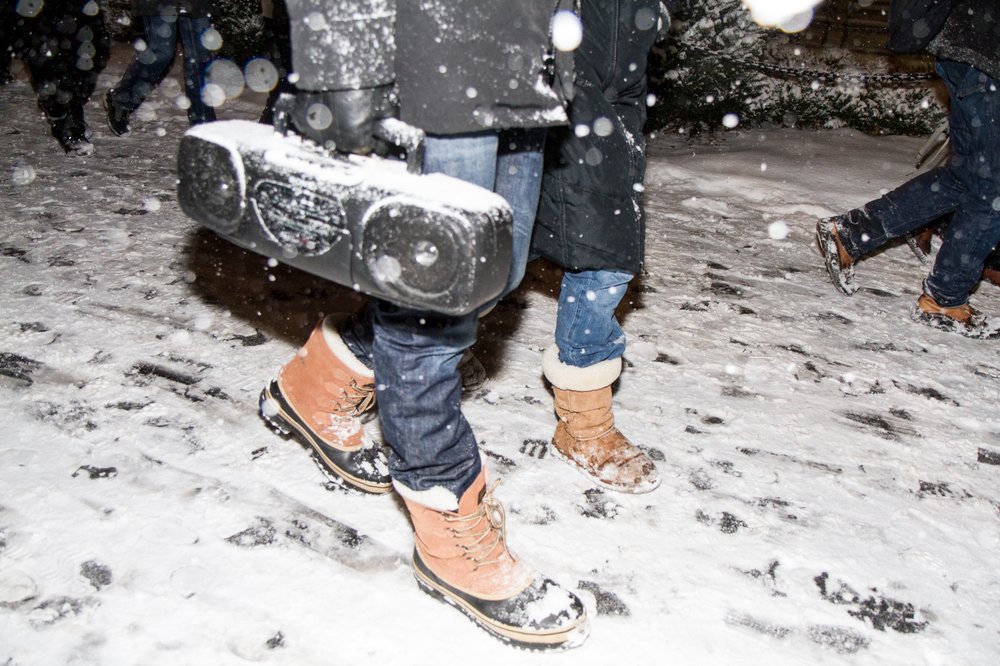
x=375 y=224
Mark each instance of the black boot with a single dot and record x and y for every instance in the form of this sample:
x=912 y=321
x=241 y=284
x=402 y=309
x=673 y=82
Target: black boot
x=117 y=116
x=71 y=132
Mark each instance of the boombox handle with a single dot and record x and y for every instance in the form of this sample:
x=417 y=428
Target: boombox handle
x=391 y=130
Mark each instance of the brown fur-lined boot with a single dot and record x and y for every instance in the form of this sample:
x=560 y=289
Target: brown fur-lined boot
x=461 y=557
x=586 y=435
x=321 y=398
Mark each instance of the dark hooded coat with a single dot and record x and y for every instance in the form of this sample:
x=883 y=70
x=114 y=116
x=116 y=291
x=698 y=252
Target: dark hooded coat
x=65 y=46
x=591 y=215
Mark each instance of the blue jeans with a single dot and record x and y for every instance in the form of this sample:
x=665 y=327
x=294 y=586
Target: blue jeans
x=415 y=354
x=968 y=186
x=518 y=180
x=149 y=67
x=587 y=331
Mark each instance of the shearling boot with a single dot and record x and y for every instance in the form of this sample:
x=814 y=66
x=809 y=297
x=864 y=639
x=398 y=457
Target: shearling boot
x=586 y=435
x=461 y=557
x=321 y=397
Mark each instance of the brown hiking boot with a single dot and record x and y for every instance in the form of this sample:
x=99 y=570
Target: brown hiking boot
x=839 y=264
x=321 y=397
x=962 y=319
x=586 y=435
x=992 y=275
x=462 y=558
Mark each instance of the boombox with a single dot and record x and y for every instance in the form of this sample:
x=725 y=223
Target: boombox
x=372 y=223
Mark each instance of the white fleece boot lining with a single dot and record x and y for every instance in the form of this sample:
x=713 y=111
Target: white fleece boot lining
x=340 y=350
x=572 y=378
x=437 y=498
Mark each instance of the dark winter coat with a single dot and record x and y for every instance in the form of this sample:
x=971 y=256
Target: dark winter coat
x=459 y=65
x=590 y=215
x=195 y=8
x=65 y=46
x=469 y=65
x=971 y=35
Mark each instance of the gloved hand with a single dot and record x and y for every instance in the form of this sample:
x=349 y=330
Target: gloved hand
x=340 y=119
x=343 y=118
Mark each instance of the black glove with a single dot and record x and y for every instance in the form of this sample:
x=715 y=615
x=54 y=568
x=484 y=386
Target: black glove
x=340 y=119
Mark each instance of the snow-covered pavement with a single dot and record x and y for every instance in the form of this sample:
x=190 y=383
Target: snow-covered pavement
x=830 y=468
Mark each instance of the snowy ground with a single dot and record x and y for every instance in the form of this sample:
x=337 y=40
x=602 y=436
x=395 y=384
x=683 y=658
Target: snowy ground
x=831 y=469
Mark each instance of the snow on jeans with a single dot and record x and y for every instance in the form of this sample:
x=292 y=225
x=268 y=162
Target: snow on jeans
x=968 y=186
x=415 y=354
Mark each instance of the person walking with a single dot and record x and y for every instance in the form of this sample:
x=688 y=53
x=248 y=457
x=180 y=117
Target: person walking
x=591 y=222
x=165 y=23
x=65 y=46
x=967 y=51
x=464 y=71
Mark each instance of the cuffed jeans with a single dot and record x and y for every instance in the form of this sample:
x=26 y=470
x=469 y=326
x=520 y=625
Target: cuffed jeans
x=415 y=354
x=587 y=331
x=148 y=67
x=968 y=186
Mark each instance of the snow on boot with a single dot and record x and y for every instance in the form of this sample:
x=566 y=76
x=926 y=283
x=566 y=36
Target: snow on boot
x=71 y=133
x=321 y=397
x=839 y=264
x=461 y=557
x=586 y=435
x=963 y=319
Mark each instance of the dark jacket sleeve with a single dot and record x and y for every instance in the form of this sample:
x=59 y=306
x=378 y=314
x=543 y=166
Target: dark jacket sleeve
x=342 y=44
x=971 y=35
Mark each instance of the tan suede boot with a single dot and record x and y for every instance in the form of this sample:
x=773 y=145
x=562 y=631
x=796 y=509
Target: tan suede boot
x=586 y=435
x=461 y=557
x=962 y=319
x=321 y=397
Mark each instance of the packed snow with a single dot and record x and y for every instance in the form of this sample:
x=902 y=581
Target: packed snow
x=830 y=490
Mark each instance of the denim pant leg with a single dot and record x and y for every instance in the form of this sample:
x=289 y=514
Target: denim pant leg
x=471 y=157
x=148 y=66
x=416 y=356
x=196 y=60
x=419 y=388
x=587 y=331
x=519 y=181
x=913 y=204
x=968 y=185
x=974 y=123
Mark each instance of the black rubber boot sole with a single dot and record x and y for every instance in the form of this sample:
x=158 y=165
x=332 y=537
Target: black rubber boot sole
x=346 y=467
x=843 y=277
x=484 y=613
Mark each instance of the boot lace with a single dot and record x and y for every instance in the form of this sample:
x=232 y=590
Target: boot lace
x=357 y=399
x=484 y=530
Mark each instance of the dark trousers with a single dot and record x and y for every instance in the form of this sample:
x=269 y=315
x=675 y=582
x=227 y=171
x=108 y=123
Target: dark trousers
x=64 y=49
x=149 y=66
x=968 y=186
